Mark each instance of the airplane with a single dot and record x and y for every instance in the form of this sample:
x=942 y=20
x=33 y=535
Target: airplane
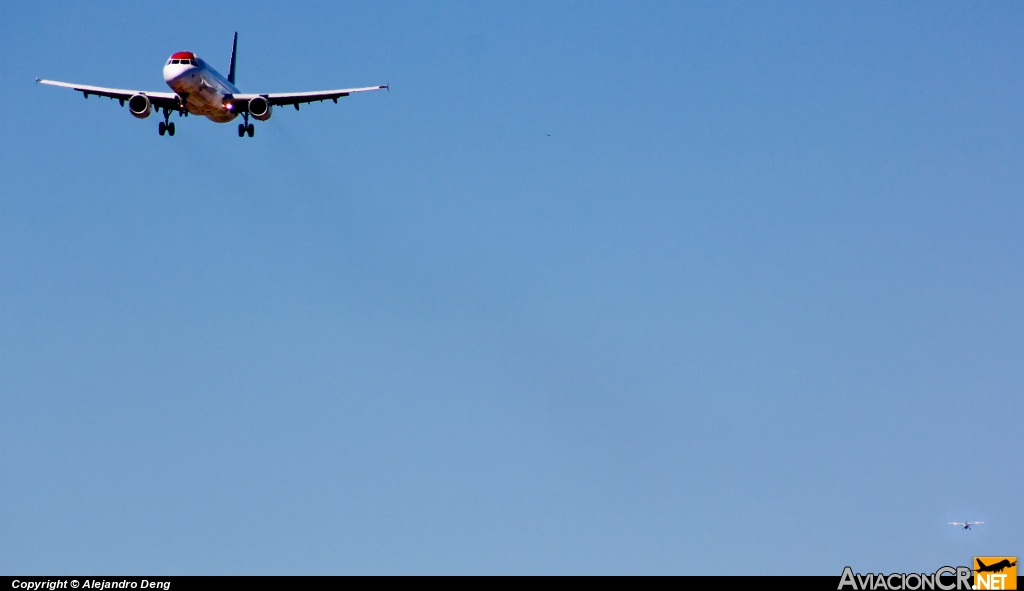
x=201 y=90
x=965 y=525
x=993 y=568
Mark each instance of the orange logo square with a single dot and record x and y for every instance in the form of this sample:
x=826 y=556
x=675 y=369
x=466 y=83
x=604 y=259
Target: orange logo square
x=995 y=572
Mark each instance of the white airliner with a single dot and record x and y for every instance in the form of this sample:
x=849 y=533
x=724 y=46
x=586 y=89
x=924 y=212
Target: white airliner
x=966 y=524
x=201 y=90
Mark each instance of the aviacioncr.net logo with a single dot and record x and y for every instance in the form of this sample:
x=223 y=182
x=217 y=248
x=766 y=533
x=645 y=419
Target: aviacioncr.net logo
x=995 y=572
x=940 y=580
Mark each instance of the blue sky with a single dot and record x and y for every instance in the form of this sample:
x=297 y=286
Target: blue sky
x=596 y=288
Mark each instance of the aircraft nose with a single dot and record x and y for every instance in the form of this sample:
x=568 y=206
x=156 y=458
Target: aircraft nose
x=172 y=75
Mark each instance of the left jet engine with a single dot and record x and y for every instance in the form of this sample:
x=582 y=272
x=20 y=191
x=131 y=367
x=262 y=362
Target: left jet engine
x=140 y=106
x=260 y=109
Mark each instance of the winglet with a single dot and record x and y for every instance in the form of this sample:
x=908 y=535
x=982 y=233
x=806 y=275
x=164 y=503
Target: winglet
x=231 y=66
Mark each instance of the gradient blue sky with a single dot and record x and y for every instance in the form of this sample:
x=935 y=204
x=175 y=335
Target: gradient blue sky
x=755 y=305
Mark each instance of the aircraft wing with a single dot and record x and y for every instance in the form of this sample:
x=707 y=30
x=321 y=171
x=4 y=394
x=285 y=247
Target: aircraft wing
x=160 y=100
x=297 y=98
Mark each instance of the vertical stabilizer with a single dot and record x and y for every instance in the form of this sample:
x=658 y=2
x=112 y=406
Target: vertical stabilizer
x=231 y=66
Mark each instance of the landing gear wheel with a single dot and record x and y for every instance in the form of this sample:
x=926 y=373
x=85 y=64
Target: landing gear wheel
x=252 y=130
x=170 y=128
x=241 y=130
x=161 y=128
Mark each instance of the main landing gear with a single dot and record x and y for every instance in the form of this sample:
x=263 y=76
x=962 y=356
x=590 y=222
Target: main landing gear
x=246 y=128
x=166 y=126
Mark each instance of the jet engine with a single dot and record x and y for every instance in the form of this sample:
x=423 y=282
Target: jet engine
x=259 y=108
x=140 y=106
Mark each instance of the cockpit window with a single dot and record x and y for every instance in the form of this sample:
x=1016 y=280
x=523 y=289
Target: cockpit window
x=190 y=61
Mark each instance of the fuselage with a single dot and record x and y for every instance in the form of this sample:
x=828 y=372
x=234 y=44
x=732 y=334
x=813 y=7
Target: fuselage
x=205 y=91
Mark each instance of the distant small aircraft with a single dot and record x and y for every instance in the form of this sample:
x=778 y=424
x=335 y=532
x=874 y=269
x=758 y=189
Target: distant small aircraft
x=965 y=524
x=201 y=90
